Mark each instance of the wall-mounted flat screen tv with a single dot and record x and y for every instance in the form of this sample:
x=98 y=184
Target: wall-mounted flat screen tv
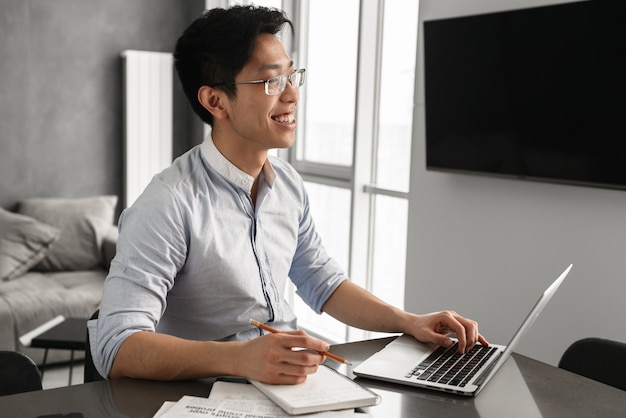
x=537 y=93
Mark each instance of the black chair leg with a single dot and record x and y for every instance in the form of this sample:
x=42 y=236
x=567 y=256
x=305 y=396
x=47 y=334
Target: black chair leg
x=45 y=360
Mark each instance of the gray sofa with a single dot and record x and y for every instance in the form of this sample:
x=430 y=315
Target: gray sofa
x=54 y=257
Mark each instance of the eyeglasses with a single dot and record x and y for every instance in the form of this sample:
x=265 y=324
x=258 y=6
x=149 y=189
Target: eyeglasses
x=276 y=85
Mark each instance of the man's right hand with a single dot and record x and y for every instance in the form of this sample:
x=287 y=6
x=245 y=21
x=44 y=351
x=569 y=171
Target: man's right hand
x=281 y=358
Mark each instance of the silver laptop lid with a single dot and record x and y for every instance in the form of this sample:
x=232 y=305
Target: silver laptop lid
x=528 y=322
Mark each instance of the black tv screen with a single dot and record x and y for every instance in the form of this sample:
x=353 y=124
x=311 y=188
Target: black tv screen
x=537 y=93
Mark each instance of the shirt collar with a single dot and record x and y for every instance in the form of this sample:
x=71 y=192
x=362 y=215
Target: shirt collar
x=230 y=171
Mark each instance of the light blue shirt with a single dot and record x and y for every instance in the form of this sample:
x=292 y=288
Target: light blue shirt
x=196 y=259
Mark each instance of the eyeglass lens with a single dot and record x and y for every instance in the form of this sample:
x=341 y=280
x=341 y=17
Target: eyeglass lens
x=276 y=85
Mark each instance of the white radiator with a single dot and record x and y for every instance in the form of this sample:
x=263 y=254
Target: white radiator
x=148 y=118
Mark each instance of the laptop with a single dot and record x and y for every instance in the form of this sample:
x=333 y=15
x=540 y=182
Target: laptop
x=410 y=362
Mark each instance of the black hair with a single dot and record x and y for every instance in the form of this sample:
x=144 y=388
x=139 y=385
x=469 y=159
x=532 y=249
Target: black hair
x=217 y=45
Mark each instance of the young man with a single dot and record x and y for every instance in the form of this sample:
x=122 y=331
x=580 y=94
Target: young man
x=210 y=243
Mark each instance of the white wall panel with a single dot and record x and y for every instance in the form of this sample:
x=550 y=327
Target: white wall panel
x=148 y=118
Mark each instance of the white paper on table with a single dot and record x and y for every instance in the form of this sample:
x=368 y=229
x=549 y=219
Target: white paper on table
x=246 y=398
x=163 y=409
x=189 y=407
x=236 y=400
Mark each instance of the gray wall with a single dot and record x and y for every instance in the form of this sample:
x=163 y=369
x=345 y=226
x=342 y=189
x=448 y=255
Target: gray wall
x=61 y=114
x=488 y=247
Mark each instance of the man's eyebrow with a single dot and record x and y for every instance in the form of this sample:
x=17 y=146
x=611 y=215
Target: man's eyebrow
x=266 y=67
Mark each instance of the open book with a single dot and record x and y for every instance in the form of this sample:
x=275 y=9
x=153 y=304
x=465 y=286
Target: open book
x=325 y=390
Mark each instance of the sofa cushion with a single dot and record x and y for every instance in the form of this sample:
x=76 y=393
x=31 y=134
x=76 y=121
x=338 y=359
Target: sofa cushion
x=83 y=223
x=38 y=297
x=24 y=241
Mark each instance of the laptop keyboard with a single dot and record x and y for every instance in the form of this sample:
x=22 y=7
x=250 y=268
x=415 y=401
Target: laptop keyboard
x=447 y=366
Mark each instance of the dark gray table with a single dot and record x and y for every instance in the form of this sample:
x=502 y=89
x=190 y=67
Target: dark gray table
x=523 y=388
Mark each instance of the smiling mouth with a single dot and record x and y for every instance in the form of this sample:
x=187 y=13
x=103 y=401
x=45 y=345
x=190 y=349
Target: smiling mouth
x=286 y=118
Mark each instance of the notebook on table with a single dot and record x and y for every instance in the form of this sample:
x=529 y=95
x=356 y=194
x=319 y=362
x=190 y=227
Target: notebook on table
x=408 y=361
x=325 y=390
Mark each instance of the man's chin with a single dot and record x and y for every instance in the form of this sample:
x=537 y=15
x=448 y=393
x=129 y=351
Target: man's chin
x=286 y=143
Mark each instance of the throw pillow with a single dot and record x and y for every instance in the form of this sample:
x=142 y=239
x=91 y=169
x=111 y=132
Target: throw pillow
x=83 y=223
x=24 y=241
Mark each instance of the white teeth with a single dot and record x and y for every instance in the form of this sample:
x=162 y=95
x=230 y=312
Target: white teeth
x=284 y=118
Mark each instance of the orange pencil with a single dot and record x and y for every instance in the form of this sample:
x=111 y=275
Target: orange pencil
x=275 y=331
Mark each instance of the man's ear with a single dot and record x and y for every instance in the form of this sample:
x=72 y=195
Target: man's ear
x=212 y=100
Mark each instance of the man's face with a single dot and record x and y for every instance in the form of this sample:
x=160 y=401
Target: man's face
x=258 y=120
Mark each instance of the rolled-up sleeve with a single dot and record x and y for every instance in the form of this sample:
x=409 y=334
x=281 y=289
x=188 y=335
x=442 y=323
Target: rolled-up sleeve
x=150 y=251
